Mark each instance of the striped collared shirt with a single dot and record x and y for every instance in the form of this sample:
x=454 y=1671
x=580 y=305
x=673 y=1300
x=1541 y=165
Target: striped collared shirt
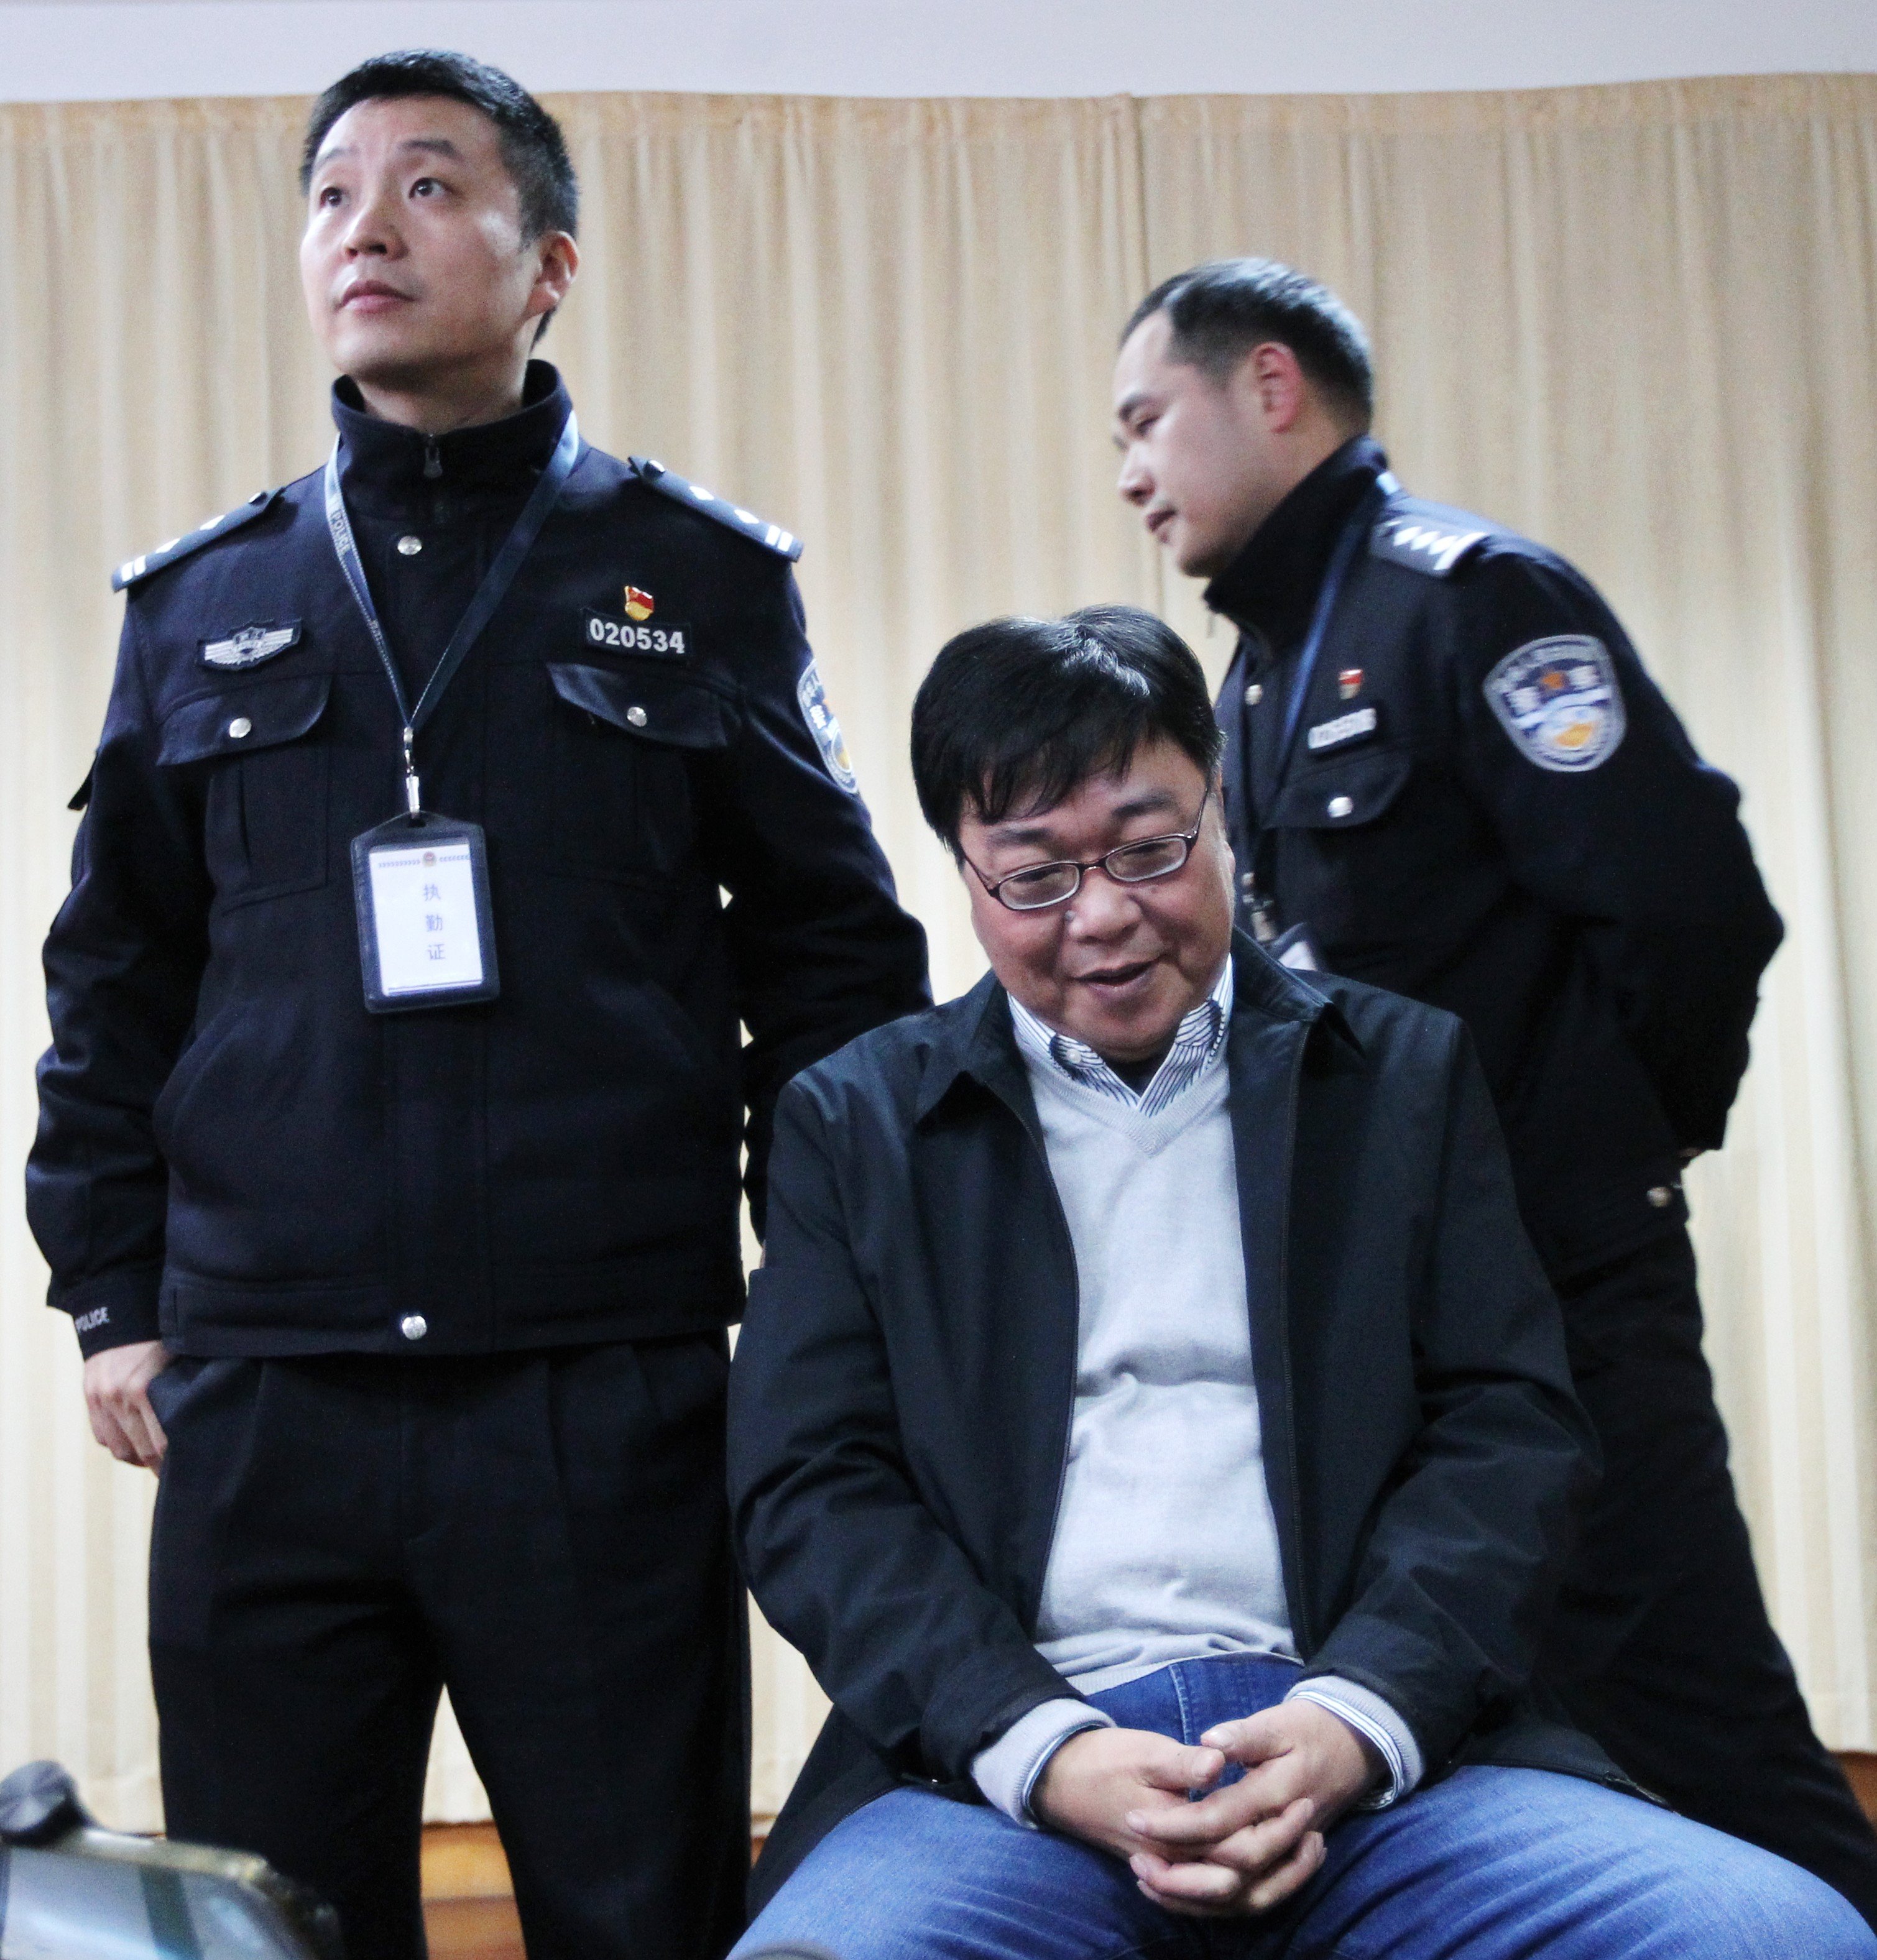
x=1197 y=1044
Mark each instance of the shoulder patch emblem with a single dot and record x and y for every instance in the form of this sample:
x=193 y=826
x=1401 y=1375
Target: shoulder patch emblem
x=1559 y=701
x=826 y=730
x=1423 y=543
x=758 y=530
x=133 y=569
x=251 y=645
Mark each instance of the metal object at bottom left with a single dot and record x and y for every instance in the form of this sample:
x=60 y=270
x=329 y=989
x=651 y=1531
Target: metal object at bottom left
x=71 y=1891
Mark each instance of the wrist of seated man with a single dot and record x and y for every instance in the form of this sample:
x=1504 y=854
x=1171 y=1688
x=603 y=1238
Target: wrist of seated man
x=1008 y=1770
x=1377 y=1723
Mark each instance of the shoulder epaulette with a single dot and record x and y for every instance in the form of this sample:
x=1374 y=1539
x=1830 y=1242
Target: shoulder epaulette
x=758 y=529
x=1427 y=538
x=129 y=573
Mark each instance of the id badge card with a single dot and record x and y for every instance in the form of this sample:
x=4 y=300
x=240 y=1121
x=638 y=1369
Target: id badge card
x=426 y=933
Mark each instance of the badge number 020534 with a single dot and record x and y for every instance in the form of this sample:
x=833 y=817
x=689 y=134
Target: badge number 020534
x=627 y=636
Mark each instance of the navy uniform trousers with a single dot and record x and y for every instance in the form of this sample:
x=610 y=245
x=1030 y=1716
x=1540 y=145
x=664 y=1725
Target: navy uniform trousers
x=338 y=1538
x=1661 y=1647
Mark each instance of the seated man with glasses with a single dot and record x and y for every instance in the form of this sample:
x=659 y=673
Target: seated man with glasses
x=1152 y=1426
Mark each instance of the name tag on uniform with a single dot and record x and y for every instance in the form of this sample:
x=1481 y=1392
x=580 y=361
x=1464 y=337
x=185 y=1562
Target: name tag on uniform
x=426 y=934
x=633 y=636
x=1358 y=723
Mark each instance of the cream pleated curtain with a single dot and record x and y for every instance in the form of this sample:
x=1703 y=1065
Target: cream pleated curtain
x=1639 y=321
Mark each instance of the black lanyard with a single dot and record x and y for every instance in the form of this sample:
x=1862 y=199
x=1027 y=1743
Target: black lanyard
x=1341 y=560
x=489 y=595
x=1348 y=543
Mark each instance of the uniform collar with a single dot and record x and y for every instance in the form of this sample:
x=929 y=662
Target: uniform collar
x=385 y=462
x=1270 y=586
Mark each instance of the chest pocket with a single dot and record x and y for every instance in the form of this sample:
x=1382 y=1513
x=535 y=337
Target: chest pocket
x=624 y=739
x=268 y=777
x=1343 y=793
x=1351 y=854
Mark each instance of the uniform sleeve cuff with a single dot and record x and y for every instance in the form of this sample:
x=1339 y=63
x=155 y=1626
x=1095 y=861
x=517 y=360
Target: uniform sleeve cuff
x=1007 y=1772
x=1378 y=1724
x=113 y=1313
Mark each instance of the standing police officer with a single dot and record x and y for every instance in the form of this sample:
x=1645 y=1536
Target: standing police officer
x=1448 y=774
x=388 y=1154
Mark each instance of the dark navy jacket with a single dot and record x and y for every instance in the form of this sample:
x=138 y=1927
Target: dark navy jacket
x=1467 y=816
x=231 y=1149
x=904 y=1380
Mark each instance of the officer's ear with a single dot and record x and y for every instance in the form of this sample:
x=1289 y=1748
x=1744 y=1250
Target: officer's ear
x=557 y=267
x=1271 y=383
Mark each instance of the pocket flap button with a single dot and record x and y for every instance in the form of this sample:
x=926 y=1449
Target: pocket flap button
x=636 y=716
x=413 y=1327
x=1340 y=805
x=240 y=727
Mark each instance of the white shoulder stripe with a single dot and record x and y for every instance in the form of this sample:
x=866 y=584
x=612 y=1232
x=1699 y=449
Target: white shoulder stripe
x=708 y=503
x=167 y=553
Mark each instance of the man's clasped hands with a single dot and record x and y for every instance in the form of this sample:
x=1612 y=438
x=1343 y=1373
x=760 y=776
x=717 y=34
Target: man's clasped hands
x=1242 y=1846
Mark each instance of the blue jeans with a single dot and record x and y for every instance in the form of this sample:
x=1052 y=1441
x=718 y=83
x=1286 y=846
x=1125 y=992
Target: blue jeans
x=1489 y=1864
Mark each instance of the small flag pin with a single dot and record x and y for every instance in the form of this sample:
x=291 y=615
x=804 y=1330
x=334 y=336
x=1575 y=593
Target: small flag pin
x=638 y=605
x=1349 y=682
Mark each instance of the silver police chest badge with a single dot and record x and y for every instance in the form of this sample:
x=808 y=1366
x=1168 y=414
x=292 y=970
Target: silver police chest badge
x=251 y=645
x=1559 y=701
x=826 y=730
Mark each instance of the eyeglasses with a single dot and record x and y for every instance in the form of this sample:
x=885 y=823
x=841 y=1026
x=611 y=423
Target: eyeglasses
x=1039 y=886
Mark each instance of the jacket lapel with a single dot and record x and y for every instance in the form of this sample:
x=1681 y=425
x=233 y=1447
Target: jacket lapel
x=976 y=1076
x=1272 y=1018
x=978 y=1040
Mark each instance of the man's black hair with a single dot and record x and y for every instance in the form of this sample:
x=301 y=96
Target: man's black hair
x=1019 y=712
x=532 y=146
x=1219 y=311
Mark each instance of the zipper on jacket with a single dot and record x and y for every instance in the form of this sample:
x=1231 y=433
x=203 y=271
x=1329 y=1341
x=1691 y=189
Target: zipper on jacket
x=433 y=459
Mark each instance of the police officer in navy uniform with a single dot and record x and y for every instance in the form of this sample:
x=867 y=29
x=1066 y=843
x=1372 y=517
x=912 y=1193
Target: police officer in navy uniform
x=454 y=806
x=1448 y=774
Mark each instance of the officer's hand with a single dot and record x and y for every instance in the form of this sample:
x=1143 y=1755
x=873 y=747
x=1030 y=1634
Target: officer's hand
x=116 y=1393
x=1091 y=1785
x=1253 y=1843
